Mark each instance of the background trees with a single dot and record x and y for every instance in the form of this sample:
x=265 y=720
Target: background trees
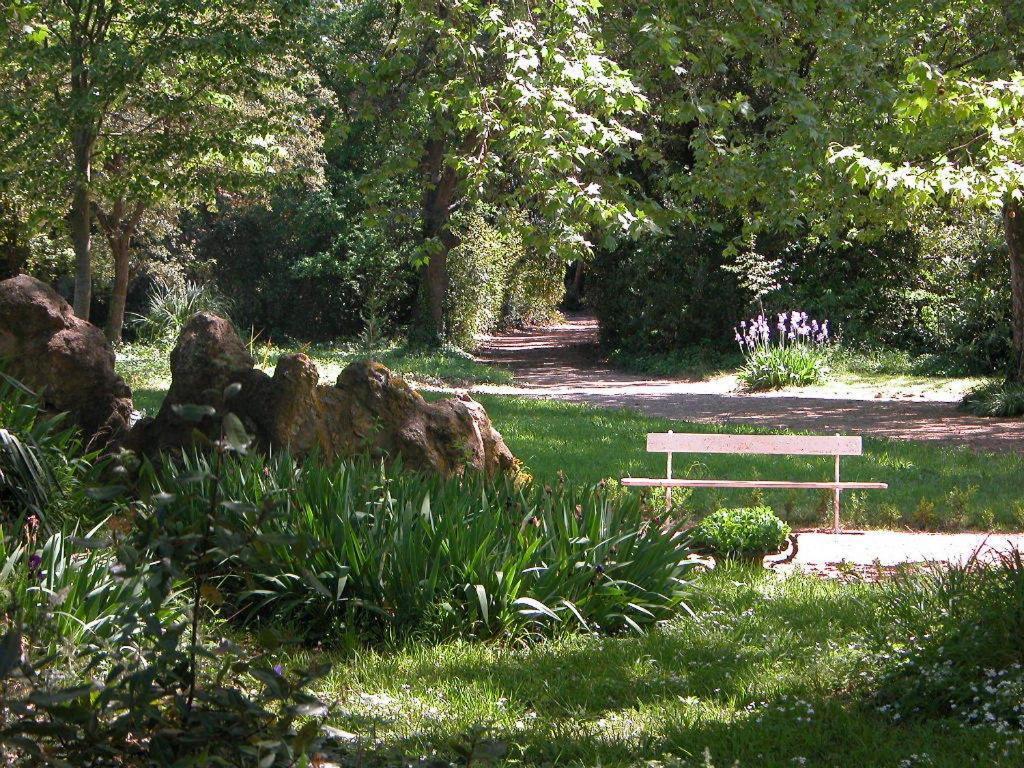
x=329 y=159
x=151 y=103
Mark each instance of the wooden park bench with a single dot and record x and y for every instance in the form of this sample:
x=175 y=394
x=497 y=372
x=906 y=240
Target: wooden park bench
x=805 y=445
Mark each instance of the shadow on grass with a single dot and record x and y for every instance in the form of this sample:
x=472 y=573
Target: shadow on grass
x=763 y=677
x=148 y=401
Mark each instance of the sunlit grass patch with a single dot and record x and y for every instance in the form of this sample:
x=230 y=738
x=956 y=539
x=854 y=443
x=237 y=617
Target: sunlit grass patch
x=761 y=676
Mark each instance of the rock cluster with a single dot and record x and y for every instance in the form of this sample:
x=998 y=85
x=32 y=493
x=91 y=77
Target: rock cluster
x=369 y=409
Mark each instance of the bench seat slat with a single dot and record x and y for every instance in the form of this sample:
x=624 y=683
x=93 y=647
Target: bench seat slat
x=654 y=482
x=807 y=445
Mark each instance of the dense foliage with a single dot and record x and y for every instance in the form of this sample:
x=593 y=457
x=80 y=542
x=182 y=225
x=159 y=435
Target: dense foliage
x=399 y=554
x=955 y=644
x=744 y=532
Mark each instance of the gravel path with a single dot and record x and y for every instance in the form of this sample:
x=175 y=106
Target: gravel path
x=564 y=362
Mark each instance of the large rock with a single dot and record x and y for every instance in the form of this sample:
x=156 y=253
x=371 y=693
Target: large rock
x=369 y=409
x=63 y=358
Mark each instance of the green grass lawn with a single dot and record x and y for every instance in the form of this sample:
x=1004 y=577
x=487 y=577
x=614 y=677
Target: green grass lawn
x=767 y=675
x=930 y=487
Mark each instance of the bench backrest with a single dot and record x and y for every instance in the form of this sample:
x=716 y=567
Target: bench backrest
x=808 y=445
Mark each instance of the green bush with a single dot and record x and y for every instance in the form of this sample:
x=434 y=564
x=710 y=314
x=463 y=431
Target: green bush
x=996 y=399
x=495 y=280
x=105 y=657
x=478 y=269
x=400 y=554
x=744 y=532
x=659 y=295
x=955 y=644
x=171 y=306
x=310 y=265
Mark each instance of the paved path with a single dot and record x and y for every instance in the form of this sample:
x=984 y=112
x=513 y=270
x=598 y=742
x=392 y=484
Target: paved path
x=828 y=552
x=564 y=362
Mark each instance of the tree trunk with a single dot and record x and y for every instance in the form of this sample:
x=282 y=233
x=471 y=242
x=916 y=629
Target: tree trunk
x=1013 y=221
x=438 y=197
x=81 y=221
x=120 y=247
x=12 y=243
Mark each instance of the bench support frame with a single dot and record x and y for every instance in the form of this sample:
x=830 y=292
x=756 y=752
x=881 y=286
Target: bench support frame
x=670 y=443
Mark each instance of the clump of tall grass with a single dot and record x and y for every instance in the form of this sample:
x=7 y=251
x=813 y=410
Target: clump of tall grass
x=401 y=554
x=64 y=582
x=996 y=399
x=39 y=455
x=955 y=644
x=171 y=306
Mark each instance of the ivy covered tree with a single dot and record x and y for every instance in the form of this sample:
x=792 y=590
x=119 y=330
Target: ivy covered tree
x=156 y=103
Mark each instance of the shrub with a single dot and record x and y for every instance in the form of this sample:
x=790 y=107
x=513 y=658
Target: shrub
x=744 y=532
x=996 y=399
x=654 y=296
x=477 y=271
x=495 y=280
x=171 y=306
x=794 y=355
x=143 y=684
x=38 y=456
x=402 y=554
x=313 y=264
x=954 y=644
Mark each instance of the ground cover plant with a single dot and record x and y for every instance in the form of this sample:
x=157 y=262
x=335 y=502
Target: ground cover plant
x=399 y=554
x=996 y=399
x=769 y=672
x=105 y=654
x=745 y=533
x=953 y=644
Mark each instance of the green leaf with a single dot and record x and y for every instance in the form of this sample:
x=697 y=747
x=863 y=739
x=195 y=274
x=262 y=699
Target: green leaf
x=536 y=607
x=235 y=434
x=193 y=413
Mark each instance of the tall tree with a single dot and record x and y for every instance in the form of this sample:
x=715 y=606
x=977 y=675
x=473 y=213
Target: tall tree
x=97 y=65
x=955 y=134
x=510 y=102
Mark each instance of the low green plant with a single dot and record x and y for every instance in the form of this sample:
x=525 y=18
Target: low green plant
x=38 y=455
x=145 y=684
x=954 y=644
x=743 y=532
x=401 y=554
x=171 y=306
x=64 y=584
x=996 y=399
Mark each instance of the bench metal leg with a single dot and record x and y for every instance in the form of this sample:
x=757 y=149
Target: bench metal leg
x=668 y=490
x=835 y=501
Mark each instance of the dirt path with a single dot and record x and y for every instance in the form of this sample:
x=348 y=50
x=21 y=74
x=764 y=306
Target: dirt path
x=564 y=362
